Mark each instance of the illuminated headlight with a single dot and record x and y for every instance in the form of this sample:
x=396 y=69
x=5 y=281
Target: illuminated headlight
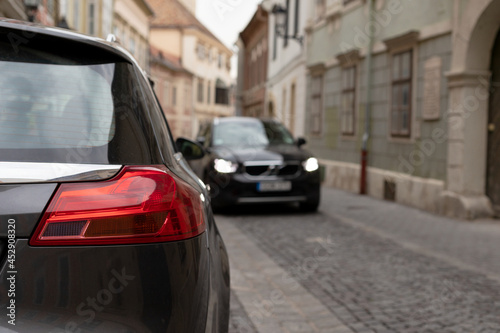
x=224 y=166
x=311 y=164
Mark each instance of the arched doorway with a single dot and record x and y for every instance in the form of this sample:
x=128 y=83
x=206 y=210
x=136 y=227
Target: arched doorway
x=493 y=171
x=477 y=25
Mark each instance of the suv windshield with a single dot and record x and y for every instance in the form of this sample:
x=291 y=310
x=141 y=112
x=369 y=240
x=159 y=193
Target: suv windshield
x=249 y=133
x=76 y=104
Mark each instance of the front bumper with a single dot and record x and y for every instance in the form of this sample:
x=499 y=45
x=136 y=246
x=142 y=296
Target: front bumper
x=235 y=189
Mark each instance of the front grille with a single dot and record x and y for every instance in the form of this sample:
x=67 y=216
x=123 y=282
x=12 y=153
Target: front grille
x=256 y=170
x=288 y=169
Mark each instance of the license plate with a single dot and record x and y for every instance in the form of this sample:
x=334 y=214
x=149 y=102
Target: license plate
x=274 y=186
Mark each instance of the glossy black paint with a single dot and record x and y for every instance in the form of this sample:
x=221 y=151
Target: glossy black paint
x=24 y=203
x=141 y=288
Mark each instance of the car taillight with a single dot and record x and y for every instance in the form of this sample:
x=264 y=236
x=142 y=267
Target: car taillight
x=139 y=205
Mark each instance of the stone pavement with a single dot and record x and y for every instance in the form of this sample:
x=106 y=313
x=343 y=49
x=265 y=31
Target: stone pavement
x=274 y=301
x=361 y=265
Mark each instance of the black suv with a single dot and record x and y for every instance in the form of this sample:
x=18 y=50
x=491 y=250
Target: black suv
x=103 y=226
x=256 y=161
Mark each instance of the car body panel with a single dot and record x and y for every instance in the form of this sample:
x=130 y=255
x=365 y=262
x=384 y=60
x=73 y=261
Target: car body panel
x=134 y=288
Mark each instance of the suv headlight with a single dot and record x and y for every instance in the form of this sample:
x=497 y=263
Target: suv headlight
x=224 y=166
x=311 y=164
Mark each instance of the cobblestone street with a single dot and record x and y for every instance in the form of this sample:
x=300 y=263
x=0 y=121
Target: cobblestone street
x=361 y=265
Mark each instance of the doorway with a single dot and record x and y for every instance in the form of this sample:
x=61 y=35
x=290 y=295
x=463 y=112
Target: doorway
x=493 y=169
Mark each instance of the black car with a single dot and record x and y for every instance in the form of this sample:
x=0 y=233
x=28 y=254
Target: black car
x=254 y=161
x=103 y=225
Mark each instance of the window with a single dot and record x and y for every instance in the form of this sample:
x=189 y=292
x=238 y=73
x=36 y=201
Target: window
x=166 y=97
x=200 y=91
x=174 y=96
x=209 y=92
x=92 y=19
x=285 y=39
x=348 y=106
x=292 y=109
x=63 y=11
x=131 y=45
x=117 y=33
x=220 y=64
x=250 y=133
x=296 y=23
x=401 y=93
x=222 y=96
x=76 y=15
x=221 y=93
x=200 y=51
x=284 y=114
x=316 y=104
x=210 y=56
x=107 y=17
x=187 y=97
x=50 y=7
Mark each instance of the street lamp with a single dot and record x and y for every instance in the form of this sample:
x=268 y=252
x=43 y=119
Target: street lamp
x=281 y=15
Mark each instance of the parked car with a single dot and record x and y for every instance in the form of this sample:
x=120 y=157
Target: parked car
x=103 y=225
x=251 y=161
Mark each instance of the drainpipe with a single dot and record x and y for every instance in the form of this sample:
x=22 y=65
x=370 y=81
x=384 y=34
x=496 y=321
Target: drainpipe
x=368 y=104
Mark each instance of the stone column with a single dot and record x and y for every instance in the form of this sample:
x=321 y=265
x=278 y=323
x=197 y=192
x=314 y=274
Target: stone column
x=467 y=119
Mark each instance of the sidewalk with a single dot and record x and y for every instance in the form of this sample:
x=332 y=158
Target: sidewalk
x=473 y=244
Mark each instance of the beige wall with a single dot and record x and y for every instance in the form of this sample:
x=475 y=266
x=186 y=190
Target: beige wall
x=132 y=25
x=178 y=109
x=168 y=41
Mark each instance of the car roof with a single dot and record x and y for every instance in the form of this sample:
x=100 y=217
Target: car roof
x=26 y=30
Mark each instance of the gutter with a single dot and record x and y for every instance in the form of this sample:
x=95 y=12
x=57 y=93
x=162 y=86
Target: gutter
x=368 y=104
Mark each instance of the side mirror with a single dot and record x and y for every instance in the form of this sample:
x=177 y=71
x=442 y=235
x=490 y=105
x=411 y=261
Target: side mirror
x=189 y=149
x=301 y=142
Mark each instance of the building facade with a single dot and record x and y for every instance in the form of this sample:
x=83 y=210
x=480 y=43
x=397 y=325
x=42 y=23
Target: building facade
x=176 y=31
x=286 y=74
x=253 y=71
x=90 y=17
x=13 y=9
x=128 y=20
x=428 y=119
x=174 y=89
x=131 y=27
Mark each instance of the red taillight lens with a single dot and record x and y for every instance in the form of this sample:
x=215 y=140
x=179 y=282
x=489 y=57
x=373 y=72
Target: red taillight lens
x=140 y=205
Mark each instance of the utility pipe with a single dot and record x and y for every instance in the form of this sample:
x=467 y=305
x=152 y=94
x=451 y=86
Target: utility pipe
x=368 y=104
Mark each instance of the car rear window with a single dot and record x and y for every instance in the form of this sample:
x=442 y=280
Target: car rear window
x=68 y=102
x=55 y=106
